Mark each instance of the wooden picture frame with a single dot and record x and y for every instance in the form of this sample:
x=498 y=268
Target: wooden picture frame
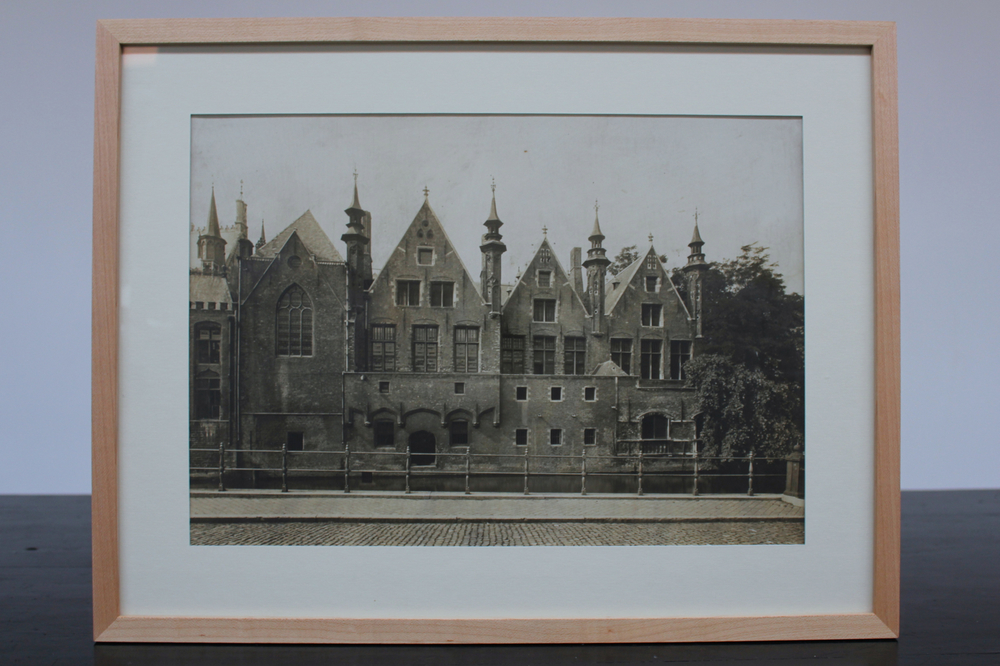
x=114 y=35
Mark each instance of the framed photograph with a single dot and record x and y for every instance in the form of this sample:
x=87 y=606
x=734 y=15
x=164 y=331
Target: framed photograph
x=495 y=331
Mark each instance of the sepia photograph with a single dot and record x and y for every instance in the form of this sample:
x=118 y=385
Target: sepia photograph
x=496 y=330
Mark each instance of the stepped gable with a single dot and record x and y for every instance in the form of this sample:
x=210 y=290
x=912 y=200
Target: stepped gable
x=311 y=235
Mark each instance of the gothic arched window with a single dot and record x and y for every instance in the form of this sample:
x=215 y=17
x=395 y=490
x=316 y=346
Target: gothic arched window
x=294 y=323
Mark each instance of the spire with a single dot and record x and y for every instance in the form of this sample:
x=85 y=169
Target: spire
x=262 y=242
x=697 y=257
x=213 y=218
x=596 y=233
x=493 y=205
x=356 y=204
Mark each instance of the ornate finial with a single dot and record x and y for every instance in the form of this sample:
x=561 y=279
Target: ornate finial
x=355 y=175
x=696 y=216
x=241 y=189
x=597 y=206
x=426 y=192
x=545 y=231
x=650 y=239
x=493 y=184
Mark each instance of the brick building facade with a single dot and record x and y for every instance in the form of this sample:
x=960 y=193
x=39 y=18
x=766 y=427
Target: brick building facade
x=299 y=356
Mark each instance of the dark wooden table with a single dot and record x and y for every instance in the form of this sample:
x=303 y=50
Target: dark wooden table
x=950 y=603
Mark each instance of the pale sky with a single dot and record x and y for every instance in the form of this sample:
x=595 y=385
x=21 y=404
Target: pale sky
x=649 y=174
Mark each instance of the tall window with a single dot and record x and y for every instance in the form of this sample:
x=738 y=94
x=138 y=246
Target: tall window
x=208 y=339
x=466 y=350
x=295 y=323
x=545 y=310
x=512 y=354
x=458 y=433
x=385 y=433
x=544 y=355
x=574 y=356
x=207 y=395
x=425 y=348
x=407 y=292
x=651 y=283
x=383 y=342
x=680 y=353
x=442 y=294
x=621 y=354
x=651 y=314
x=655 y=426
x=652 y=354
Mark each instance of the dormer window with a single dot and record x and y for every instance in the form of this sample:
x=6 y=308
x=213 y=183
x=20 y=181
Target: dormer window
x=425 y=256
x=545 y=279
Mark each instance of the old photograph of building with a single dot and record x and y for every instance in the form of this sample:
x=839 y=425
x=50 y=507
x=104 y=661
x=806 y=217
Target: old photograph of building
x=622 y=363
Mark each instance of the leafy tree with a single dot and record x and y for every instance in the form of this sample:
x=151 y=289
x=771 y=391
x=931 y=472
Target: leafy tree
x=742 y=410
x=749 y=369
x=623 y=259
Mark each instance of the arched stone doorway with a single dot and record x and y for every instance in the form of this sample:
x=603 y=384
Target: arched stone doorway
x=422 y=448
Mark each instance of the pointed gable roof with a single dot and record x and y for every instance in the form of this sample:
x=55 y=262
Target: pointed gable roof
x=624 y=279
x=434 y=225
x=627 y=278
x=537 y=262
x=311 y=235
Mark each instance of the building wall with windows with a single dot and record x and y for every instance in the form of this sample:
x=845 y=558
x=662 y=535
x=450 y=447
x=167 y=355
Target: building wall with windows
x=444 y=374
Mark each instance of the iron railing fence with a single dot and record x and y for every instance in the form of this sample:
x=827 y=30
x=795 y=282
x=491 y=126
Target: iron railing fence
x=639 y=464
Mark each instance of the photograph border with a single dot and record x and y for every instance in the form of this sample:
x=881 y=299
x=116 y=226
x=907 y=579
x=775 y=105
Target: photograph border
x=114 y=35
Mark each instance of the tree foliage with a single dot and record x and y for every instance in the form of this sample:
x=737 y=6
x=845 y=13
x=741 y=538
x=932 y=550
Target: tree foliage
x=750 y=367
x=623 y=259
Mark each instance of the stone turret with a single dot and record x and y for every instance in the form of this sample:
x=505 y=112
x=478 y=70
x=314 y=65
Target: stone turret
x=211 y=244
x=597 y=267
x=359 y=279
x=695 y=270
x=492 y=248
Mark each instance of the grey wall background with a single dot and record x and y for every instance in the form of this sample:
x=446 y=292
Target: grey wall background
x=949 y=58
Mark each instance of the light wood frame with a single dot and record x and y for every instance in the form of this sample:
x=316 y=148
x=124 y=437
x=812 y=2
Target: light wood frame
x=113 y=35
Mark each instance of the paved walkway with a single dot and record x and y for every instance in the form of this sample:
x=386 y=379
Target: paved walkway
x=273 y=506
x=489 y=533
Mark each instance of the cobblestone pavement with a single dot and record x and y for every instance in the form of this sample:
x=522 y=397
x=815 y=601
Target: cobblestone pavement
x=438 y=506
x=450 y=533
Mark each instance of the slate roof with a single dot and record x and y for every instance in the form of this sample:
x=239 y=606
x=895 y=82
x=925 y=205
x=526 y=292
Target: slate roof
x=625 y=279
x=311 y=235
x=209 y=289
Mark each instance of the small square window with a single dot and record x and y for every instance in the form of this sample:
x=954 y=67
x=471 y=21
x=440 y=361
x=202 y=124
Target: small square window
x=555 y=436
x=383 y=387
x=545 y=310
x=545 y=279
x=521 y=437
x=589 y=436
x=590 y=393
x=211 y=306
x=459 y=388
x=425 y=256
x=295 y=441
x=651 y=281
x=521 y=393
x=223 y=306
x=556 y=393
x=199 y=305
